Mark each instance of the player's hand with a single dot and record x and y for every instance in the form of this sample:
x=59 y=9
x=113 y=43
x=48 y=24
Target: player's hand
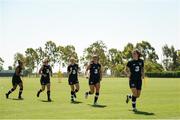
x=142 y=77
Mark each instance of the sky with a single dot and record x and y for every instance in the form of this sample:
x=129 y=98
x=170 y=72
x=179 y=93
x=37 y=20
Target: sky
x=30 y=23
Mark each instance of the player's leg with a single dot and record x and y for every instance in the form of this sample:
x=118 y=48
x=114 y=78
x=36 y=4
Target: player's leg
x=11 y=90
x=97 y=87
x=134 y=96
x=77 y=89
x=48 y=92
x=91 y=91
x=138 y=93
x=20 y=89
x=131 y=85
x=72 y=93
x=138 y=87
x=41 y=90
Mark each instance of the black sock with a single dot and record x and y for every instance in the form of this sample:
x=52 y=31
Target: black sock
x=10 y=91
x=130 y=96
x=72 y=94
x=76 y=90
x=48 y=94
x=96 y=97
x=40 y=91
x=133 y=101
x=20 y=92
x=89 y=93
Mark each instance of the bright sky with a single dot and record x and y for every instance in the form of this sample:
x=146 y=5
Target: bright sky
x=30 y=23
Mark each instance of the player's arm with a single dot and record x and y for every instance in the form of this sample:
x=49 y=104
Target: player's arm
x=69 y=70
x=51 y=72
x=101 y=71
x=79 y=69
x=86 y=72
x=40 y=70
x=142 y=71
x=127 y=71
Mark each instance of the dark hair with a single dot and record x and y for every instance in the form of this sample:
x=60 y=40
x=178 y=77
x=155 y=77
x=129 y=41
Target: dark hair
x=138 y=53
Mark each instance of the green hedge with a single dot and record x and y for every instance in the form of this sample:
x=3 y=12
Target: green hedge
x=168 y=74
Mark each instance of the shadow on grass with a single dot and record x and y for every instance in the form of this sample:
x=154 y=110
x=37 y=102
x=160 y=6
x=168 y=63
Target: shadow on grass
x=16 y=99
x=98 y=106
x=143 y=113
x=76 y=102
x=46 y=101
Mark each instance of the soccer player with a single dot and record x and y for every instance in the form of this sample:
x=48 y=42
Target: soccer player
x=95 y=77
x=45 y=72
x=16 y=80
x=73 y=70
x=135 y=72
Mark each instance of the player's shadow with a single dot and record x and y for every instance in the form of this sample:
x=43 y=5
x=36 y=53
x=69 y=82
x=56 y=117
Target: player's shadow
x=17 y=99
x=76 y=102
x=46 y=101
x=143 y=113
x=98 y=106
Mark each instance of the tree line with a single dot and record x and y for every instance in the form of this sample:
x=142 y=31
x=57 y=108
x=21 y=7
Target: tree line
x=111 y=59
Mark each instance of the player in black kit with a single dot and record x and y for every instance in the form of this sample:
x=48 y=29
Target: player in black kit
x=73 y=70
x=16 y=80
x=135 y=72
x=95 y=70
x=45 y=72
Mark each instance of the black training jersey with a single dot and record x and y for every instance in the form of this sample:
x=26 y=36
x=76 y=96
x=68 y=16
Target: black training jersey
x=46 y=70
x=136 y=67
x=95 y=71
x=19 y=72
x=73 y=68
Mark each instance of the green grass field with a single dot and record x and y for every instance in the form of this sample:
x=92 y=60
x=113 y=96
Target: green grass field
x=160 y=99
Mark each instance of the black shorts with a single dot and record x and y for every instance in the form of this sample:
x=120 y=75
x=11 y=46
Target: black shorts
x=94 y=81
x=135 y=84
x=73 y=81
x=16 y=80
x=44 y=81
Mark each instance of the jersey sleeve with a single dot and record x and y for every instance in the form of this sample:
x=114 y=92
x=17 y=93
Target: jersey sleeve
x=142 y=63
x=68 y=68
x=128 y=64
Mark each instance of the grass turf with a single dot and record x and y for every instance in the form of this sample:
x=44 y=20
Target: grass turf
x=160 y=99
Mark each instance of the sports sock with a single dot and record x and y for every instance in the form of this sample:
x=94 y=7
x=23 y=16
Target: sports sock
x=48 y=94
x=133 y=101
x=96 y=97
x=20 y=92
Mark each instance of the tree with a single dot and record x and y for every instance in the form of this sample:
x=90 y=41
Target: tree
x=31 y=59
x=147 y=51
x=127 y=52
x=115 y=59
x=150 y=66
x=170 y=55
x=10 y=68
x=51 y=52
x=1 y=63
x=178 y=61
x=99 y=48
x=18 y=56
x=40 y=57
x=67 y=52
